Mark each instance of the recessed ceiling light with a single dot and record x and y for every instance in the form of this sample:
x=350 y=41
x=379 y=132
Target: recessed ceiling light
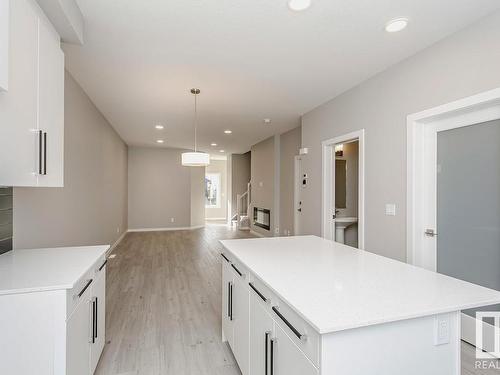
x=299 y=5
x=396 y=25
x=222 y=151
x=267 y=121
x=159 y=141
x=213 y=144
x=228 y=131
x=159 y=127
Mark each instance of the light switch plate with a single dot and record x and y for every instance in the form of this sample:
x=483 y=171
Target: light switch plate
x=390 y=209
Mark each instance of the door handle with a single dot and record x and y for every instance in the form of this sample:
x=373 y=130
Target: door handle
x=273 y=343
x=430 y=233
x=95 y=317
x=40 y=151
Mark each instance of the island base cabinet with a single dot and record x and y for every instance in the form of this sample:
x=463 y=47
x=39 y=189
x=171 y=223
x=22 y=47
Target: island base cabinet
x=261 y=333
x=287 y=359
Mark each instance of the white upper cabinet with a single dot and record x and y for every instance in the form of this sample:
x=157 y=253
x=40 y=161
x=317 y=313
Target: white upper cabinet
x=32 y=110
x=4 y=45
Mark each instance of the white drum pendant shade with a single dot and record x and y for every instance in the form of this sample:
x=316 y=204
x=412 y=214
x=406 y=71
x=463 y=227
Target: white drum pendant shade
x=195 y=159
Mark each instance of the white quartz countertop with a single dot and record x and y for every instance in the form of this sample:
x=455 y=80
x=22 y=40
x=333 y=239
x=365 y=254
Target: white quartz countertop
x=36 y=270
x=336 y=287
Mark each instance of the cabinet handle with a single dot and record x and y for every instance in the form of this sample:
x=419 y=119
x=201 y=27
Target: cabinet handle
x=231 y=301
x=237 y=270
x=45 y=153
x=92 y=317
x=266 y=350
x=84 y=288
x=222 y=255
x=289 y=325
x=102 y=265
x=95 y=318
x=273 y=343
x=264 y=298
x=40 y=151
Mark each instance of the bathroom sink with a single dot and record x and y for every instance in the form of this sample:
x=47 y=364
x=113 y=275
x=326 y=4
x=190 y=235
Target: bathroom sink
x=341 y=223
x=344 y=222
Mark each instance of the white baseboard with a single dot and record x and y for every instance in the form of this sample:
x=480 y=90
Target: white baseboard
x=215 y=218
x=165 y=229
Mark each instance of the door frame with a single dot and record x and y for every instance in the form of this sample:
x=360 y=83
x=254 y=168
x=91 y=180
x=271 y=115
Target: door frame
x=296 y=194
x=422 y=130
x=328 y=187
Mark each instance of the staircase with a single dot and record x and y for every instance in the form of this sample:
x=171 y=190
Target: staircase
x=241 y=218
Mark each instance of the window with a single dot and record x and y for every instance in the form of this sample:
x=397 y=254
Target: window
x=212 y=190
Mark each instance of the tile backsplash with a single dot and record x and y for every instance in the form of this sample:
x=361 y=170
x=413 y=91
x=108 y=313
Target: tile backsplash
x=5 y=219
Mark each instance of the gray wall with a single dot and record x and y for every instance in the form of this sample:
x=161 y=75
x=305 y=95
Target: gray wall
x=91 y=208
x=197 y=196
x=462 y=65
x=160 y=189
x=289 y=147
x=218 y=166
x=240 y=176
x=262 y=172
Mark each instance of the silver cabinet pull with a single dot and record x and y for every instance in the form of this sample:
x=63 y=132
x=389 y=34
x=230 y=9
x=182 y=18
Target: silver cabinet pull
x=266 y=351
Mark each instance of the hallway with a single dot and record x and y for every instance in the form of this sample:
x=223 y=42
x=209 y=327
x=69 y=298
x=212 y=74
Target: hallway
x=163 y=305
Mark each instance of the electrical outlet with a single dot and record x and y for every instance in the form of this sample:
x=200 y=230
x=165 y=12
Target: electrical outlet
x=441 y=329
x=277 y=231
x=172 y=219
x=117 y=229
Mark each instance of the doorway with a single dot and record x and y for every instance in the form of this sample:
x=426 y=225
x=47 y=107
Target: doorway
x=343 y=189
x=454 y=198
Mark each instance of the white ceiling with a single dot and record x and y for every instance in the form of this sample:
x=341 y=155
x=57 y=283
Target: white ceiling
x=252 y=59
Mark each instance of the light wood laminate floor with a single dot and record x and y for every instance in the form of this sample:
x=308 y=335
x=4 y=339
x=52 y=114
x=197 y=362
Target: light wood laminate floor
x=164 y=306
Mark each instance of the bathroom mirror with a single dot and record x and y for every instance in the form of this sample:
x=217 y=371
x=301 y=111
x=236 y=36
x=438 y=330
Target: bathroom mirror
x=340 y=183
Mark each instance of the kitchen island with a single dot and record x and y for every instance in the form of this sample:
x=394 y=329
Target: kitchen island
x=309 y=306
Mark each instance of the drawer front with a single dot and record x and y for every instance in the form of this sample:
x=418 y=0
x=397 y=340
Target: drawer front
x=295 y=326
x=73 y=296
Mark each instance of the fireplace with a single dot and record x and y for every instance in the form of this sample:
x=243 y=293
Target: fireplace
x=262 y=218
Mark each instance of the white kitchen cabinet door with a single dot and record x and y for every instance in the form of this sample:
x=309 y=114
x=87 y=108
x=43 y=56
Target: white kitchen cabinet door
x=51 y=105
x=18 y=106
x=227 y=285
x=288 y=359
x=241 y=322
x=78 y=335
x=98 y=294
x=261 y=333
x=4 y=45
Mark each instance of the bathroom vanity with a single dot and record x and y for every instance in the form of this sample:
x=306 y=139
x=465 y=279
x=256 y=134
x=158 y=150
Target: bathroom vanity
x=309 y=306
x=52 y=310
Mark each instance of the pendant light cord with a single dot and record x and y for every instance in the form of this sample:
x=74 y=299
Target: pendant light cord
x=195 y=119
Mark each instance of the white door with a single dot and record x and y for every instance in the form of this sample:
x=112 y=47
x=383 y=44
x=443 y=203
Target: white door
x=261 y=333
x=454 y=202
x=98 y=294
x=51 y=106
x=18 y=106
x=78 y=336
x=287 y=359
x=227 y=286
x=241 y=322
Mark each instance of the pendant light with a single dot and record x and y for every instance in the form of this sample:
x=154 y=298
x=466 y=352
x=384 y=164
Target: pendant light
x=195 y=158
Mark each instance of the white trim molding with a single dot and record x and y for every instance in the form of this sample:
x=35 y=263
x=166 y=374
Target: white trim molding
x=112 y=247
x=328 y=189
x=165 y=229
x=421 y=150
